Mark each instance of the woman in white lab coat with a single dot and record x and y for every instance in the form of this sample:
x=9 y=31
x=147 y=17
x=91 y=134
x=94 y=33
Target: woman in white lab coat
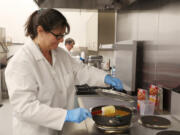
x=40 y=78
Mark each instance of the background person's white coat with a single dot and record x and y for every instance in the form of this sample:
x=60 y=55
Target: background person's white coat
x=40 y=93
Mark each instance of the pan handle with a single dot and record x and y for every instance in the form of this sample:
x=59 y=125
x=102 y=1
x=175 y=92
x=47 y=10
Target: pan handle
x=123 y=90
x=133 y=109
x=134 y=114
x=90 y=109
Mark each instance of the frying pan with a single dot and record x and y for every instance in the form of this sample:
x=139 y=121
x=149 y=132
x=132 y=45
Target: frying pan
x=112 y=121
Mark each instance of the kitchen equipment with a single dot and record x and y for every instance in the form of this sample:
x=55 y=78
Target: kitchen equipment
x=95 y=60
x=135 y=128
x=114 y=130
x=112 y=121
x=175 y=98
x=116 y=95
x=168 y=132
x=155 y=122
x=128 y=56
x=85 y=89
x=147 y=107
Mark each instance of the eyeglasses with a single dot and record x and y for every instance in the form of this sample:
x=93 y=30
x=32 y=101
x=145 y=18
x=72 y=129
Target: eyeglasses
x=58 y=36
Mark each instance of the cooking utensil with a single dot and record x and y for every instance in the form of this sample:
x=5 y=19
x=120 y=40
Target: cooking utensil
x=85 y=89
x=117 y=95
x=112 y=121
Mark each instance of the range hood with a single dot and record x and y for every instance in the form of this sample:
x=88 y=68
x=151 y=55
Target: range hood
x=84 y=4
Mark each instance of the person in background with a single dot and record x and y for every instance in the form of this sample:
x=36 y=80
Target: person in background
x=69 y=44
x=40 y=78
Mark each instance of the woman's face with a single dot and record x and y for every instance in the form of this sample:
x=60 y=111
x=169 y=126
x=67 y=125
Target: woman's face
x=50 y=40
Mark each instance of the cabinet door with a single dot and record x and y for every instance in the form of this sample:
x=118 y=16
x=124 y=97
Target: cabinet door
x=92 y=33
x=106 y=27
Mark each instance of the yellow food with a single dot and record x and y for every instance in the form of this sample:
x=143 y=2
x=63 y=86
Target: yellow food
x=112 y=111
x=108 y=110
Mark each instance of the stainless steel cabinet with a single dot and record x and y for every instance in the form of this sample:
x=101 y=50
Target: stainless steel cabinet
x=100 y=29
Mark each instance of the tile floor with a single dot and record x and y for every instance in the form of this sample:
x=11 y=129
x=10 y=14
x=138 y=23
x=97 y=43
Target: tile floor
x=6 y=118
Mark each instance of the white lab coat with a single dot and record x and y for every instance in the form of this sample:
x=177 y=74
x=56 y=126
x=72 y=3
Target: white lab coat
x=64 y=47
x=77 y=58
x=41 y=93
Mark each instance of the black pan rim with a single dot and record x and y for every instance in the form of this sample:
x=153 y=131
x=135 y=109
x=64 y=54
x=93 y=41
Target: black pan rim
x=112 y=121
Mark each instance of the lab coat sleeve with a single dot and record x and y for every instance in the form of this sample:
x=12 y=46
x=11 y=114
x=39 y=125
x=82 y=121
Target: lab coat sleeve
x=23 y=92
x=88 y=74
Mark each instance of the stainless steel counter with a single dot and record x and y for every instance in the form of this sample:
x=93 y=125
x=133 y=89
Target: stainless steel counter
x=87 y=127
x=74 y=129
x=136 y=128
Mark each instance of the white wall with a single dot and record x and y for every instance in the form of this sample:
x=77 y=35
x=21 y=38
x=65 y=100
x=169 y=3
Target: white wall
x=92 y=32
x=14 y=13
x=78 y=23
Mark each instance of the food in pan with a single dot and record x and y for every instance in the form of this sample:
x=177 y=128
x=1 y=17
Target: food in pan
x=122 y=113
x=110 y=111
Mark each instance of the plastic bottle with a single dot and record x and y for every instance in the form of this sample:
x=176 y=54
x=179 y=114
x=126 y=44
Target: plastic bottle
x=82 y=57
x=113 y=71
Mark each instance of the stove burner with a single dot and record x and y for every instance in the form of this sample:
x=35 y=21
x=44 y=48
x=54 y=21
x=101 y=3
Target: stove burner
x=169 y=132
x=114 y=130
x=155 y=122
x=117 y=132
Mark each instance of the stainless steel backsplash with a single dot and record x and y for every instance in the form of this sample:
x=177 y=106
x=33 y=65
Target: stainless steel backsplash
x=157 y=24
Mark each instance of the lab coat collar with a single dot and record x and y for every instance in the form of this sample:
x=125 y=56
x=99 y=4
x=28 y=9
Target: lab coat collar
x=34 y=49
x=37 y=53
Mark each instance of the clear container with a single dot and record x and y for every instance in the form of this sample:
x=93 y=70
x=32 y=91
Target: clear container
x=113 y=71
x=147 y=107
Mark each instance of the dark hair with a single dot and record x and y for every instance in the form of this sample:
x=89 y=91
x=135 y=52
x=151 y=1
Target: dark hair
x=49 y=19
x=69 y=41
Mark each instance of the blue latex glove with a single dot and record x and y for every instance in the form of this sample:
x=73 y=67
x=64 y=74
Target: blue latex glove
x=77 y=115
x=114 y=82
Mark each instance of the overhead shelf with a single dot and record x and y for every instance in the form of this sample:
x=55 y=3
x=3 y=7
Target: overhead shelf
x=106 y=47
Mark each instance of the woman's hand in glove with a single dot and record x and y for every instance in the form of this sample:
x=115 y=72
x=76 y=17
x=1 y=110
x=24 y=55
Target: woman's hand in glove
x=114 y=82
x=77 y=115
